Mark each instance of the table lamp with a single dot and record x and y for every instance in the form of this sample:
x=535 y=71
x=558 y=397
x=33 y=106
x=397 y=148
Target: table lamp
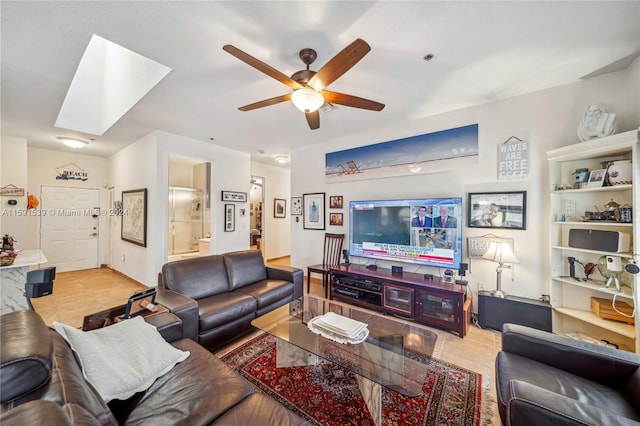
x=500 y=252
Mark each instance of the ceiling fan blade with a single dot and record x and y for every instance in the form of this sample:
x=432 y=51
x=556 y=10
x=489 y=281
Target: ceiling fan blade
x=339 y=64
x=313 y=118
x=261 y=66
x=351 y=101
x=266 y=102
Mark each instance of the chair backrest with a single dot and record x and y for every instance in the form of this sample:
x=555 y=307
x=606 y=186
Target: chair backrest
x=332 y=249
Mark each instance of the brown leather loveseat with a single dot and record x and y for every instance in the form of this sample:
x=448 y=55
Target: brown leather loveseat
x=41 y=383
x=218 y=296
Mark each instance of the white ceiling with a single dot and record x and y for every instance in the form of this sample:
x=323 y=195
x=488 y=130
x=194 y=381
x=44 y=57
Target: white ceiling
x=484 y=51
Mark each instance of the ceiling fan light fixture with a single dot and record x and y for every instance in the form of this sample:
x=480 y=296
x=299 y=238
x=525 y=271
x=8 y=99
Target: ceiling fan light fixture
x=307 y=100
x=73 y=142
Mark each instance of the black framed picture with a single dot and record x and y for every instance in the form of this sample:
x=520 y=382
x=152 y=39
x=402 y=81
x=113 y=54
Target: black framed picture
x=279 y=208
x=497 y=210
x=229 y=217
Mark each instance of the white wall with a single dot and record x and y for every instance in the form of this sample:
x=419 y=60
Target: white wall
x=549 y=117
x=276 y=234
x=145 y=164
x=13 y=171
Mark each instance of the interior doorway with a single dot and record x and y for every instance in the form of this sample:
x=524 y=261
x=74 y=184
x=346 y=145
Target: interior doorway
x=256 y=216
x=189 y=209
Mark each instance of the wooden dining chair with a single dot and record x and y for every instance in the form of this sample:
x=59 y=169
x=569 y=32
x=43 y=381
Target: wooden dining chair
x=330 y=258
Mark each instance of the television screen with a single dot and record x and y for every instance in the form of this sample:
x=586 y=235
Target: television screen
x=422 y=231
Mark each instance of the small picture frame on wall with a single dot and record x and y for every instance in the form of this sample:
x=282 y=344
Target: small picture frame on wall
x=236 y=197
x=296 y=206
x=596 y=178
x=314 y=211
x=229 y=217
x=134 y=217
x=279 y=208
x=497 y=210
x=335 y=219
x=335 y=202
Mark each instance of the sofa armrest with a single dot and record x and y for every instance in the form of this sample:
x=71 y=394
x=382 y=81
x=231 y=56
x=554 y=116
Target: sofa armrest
x=611 y=367
x=184 y=308
x=288 y=273
x=531 y=405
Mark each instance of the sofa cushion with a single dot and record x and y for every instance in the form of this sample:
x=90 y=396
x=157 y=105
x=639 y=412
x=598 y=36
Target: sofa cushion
x=39 y=412
x=195 y=392
x=633 y=389
x=515 y=367
x=197 y=277
x=26 y=354
x=245 y=267
x=121 y=359
x=267 y=292
x=224 y=308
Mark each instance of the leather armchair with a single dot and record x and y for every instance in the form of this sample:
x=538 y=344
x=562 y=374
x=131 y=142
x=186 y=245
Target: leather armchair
x=549 y=379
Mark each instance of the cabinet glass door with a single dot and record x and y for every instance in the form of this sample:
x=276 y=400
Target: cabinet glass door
x=399 y=299
x=436 y=306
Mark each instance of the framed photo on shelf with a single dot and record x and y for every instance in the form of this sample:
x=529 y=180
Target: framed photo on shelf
x=134 y=217
x=596 y=178
x=236 y=197
x=279 y=208
x=335 y=219
x=497 y=210
x=229 y=217
x=335 y=202
x=314 y=211
x=296 y=206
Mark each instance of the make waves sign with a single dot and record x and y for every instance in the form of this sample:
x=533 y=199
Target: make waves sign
x=71 y=172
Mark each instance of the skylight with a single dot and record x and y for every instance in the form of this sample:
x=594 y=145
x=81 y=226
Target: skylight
x=109 y=81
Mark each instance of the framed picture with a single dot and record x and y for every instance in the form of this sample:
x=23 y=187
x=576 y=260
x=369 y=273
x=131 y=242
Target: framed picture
x=229 y=217
x=335 y=219
x=596 y=178
x=335 y=202
x=313 y=208
x=497 y=210
x=236 y=197
x=134 y=217
x=296 y=206
x=279 y=207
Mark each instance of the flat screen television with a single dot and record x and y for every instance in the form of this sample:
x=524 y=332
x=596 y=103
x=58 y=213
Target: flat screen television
x=410 y=230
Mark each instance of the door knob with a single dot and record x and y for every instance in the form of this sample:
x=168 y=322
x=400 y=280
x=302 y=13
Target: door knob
x=95 y=234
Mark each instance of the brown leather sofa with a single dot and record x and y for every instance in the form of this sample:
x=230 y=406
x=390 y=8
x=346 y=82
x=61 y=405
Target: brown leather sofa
x=549 y=379
x=42 y=383
x=218 y=296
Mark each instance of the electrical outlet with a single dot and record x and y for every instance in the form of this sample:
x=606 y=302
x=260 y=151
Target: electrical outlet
x=123 y=258
x=480 y=285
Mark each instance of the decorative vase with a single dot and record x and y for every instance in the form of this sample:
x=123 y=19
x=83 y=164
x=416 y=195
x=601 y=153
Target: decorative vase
x=620 y=172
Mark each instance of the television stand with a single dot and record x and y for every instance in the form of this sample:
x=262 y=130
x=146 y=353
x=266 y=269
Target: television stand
x=408 y=295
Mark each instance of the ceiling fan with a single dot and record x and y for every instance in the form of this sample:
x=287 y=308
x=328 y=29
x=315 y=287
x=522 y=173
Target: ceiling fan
x=308 y=86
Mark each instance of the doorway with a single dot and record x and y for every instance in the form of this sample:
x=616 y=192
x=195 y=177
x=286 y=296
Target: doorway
x=256 y=216
x=69 y=231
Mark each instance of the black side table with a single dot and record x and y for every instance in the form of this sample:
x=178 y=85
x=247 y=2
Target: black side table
x=493 y=312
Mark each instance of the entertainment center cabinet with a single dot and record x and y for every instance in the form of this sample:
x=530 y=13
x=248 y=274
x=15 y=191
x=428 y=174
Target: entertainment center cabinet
x=408 y=295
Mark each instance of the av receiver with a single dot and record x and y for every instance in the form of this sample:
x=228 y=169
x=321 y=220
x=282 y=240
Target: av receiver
x=345 y=291
x=594 y=239
x=360 y=283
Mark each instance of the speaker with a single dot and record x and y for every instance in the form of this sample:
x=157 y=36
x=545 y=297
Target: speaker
x=593 y=239
x=345 y=255
x=396 y=270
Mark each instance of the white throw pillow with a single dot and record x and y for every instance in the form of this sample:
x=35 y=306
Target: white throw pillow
x=122 y=359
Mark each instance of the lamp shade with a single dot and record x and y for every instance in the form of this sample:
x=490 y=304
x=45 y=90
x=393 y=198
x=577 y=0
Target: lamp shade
x=307 y=100
x=500 y=252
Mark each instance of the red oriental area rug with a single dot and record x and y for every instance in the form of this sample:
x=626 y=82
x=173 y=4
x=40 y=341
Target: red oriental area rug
x=326 y=394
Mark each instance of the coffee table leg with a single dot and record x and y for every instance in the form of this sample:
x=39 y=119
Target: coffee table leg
x=372 y=395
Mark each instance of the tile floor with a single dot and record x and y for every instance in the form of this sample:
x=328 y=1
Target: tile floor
x=79 y=293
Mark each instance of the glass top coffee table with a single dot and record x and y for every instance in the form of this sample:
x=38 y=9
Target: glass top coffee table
x=389 y=357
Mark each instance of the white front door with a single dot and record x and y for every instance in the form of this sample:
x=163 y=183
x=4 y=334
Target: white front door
x=69 y=227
